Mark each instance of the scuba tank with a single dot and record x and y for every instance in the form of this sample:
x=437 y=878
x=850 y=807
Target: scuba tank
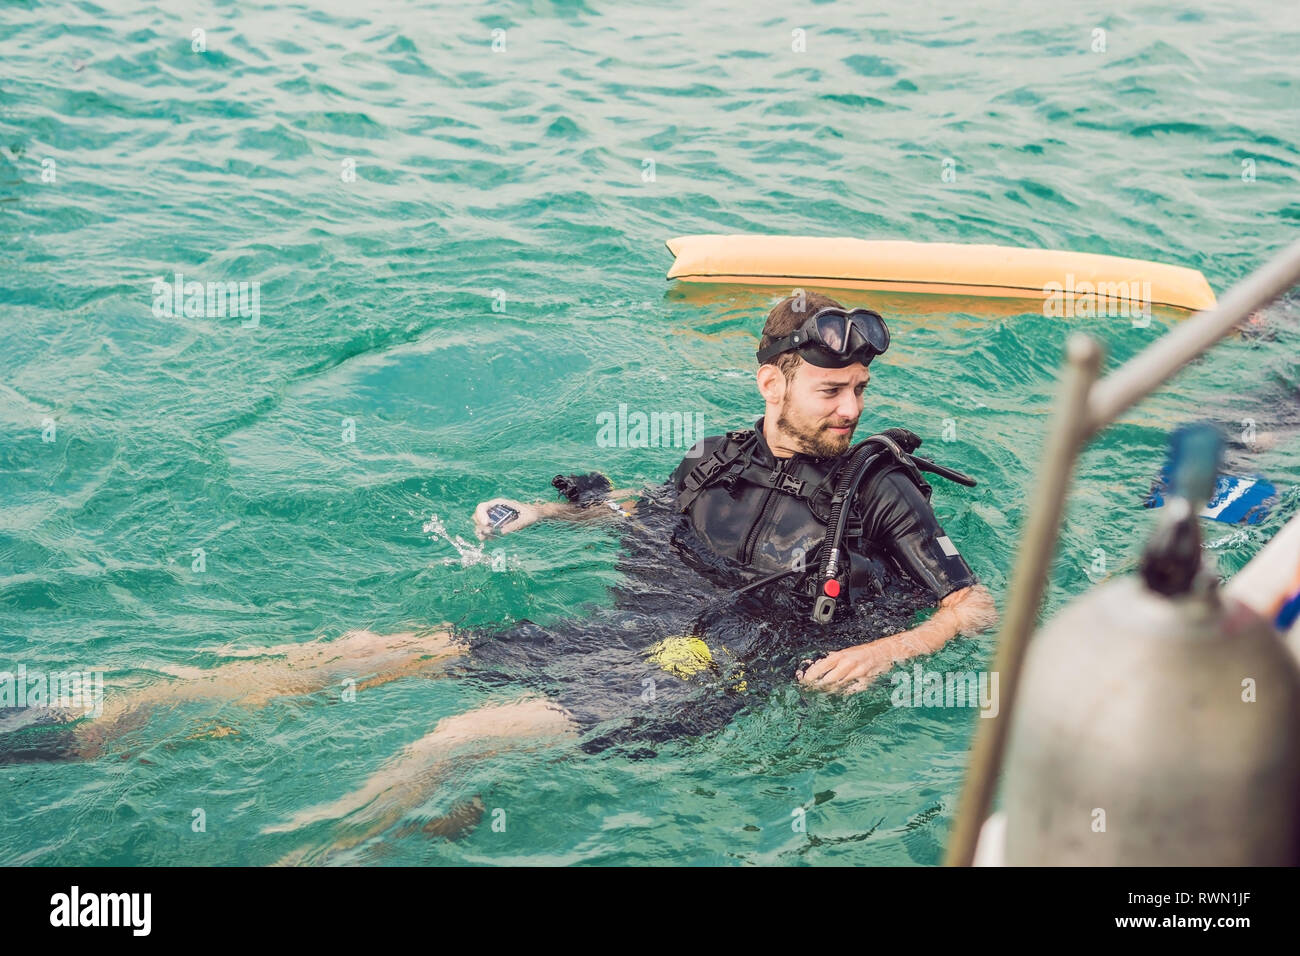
x=1158 y=720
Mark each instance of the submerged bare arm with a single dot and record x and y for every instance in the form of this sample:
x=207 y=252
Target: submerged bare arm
x=531 y=513
x=966 y=611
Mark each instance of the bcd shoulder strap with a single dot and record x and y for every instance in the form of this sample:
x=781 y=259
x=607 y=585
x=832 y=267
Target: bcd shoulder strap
x=891 y=458
x=908 y=465
x=719 y=466
x=888 y=457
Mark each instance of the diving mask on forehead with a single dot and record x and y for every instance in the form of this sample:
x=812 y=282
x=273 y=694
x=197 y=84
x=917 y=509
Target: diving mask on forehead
x=833 y=338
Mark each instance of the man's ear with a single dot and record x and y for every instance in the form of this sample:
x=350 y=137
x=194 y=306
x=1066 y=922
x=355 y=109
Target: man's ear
x=771 y=384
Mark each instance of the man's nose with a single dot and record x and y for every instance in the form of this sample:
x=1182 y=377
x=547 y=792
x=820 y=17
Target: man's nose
x=850 y=407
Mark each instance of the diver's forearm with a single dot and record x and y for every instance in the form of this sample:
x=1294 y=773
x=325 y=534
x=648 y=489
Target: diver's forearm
x=548 y=510
x=564 y=511
x=967 y=612
x=925 y=638
x=599 y=511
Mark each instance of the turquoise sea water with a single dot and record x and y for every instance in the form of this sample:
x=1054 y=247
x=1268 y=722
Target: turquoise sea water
x=518 y=179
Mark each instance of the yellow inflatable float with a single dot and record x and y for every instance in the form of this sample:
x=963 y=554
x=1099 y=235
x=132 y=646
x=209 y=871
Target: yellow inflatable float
x=1067 y=282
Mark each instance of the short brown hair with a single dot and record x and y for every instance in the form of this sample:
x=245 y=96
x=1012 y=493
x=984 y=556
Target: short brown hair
x=786 y=316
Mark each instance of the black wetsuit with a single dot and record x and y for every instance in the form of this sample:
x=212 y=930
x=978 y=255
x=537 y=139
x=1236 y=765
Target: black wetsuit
x=679 y=652
x=767 y=514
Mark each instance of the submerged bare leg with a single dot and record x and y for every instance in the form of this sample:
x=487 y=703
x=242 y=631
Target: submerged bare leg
x=408 y=779
x=259 y=676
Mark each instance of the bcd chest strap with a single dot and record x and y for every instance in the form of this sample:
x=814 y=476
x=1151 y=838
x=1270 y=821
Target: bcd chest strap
x=723 y=466
x=733 y=461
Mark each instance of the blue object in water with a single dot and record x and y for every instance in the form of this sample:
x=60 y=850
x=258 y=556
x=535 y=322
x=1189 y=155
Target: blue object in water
x=1288 y=613
x=1237 y=499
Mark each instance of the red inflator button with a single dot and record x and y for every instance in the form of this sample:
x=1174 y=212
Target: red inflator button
x=831 y=588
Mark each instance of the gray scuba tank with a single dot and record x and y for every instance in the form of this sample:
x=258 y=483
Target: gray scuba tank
x=1158 y=719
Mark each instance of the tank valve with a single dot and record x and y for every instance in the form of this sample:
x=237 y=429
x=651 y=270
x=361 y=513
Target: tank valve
x=1171 y=560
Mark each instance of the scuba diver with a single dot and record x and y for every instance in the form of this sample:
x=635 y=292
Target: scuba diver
x=771 y=554
x=765 y=501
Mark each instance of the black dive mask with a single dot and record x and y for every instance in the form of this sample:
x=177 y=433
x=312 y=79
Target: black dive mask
x=834 y=338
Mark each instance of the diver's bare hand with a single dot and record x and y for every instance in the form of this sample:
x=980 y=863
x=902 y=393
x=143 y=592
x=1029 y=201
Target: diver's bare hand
x=847 y=671
x=528 y=514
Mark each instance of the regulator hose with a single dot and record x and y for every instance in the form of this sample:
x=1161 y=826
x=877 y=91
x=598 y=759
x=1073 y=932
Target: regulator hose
x=845 y=488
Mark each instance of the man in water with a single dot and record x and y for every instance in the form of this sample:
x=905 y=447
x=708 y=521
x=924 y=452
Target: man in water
x=753 y=496
x=708 y=619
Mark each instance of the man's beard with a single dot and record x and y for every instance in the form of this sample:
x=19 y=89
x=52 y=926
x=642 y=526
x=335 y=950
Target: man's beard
x=815 y=438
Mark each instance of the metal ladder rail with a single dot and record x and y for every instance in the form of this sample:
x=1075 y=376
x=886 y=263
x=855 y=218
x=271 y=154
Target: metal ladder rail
x=1084 y=407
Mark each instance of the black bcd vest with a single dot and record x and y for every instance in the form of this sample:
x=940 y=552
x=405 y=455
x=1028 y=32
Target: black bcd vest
x=768 y=518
